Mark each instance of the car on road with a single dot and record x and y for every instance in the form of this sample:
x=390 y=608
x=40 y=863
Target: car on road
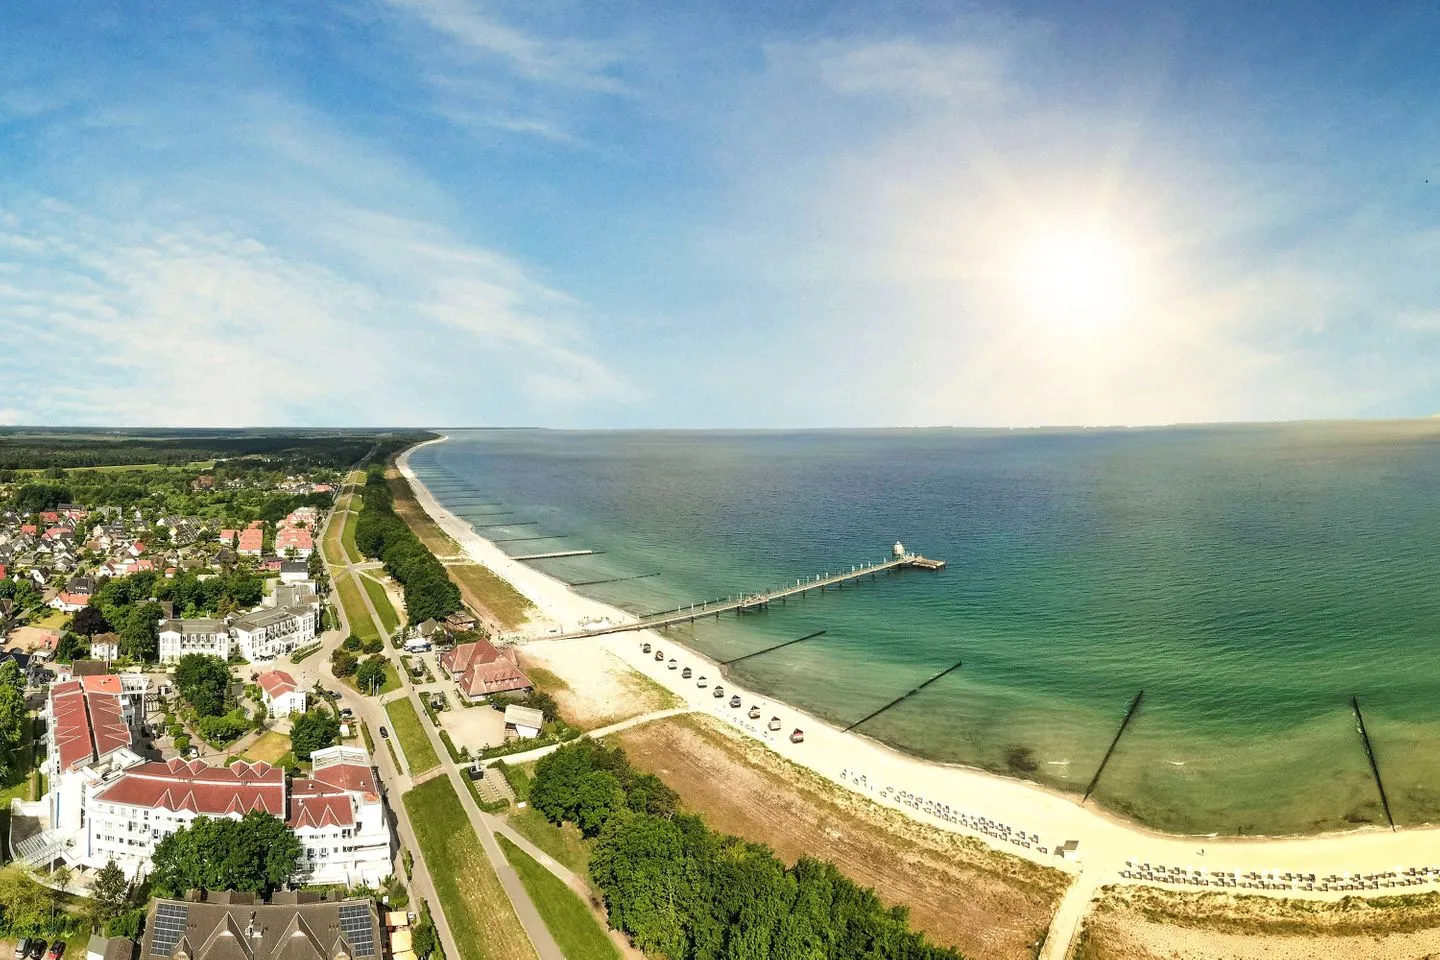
x=384 y=734
x=346 y=713
x=331 y=695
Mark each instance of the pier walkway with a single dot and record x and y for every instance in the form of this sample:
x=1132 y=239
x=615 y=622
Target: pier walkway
x=754 y=601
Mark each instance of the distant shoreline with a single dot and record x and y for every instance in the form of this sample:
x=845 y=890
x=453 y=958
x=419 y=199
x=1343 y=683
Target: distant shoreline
x=935 y=793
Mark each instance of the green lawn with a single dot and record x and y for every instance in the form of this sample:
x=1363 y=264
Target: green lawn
x=405 y=724
x=330 y=544
x=347 y=535
x=389 y=619
x=475 y=904
x=271 y=746
x=17 y=787
x=355 y=610
x=565 y=843
x=575 y=929
x=392 y=680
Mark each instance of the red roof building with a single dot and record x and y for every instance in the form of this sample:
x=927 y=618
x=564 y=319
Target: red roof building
x=252 y=541
x=277 y=682
x=228 y=536
x=481 y=670
x=49 y=516
x=194 y=787
x=87 y=721
x=294 y=538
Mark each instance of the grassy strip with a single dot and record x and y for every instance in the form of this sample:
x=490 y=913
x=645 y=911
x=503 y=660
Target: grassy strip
x=564 y=843
x=481 y=918
x=380 y=600
x=390 y=745
x=330 y=544
x=347 y=534
x=355 y=610
x=405 y=723
x=21 y=778
x=369 y=740
x=575 y=929
x=299 y=655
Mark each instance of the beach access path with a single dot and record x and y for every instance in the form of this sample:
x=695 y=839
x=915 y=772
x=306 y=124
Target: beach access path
x=1014 y=816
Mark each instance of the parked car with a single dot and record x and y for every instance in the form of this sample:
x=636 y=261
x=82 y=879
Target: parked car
x=57 y=950
x=346 y=713
x=37 y=948
x=384 y=734
x=22 y=948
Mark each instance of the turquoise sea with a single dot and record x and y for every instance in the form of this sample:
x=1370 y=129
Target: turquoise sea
x=1250 y=579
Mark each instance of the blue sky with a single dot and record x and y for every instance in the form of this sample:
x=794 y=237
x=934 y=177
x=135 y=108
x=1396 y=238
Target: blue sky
x=454 y=212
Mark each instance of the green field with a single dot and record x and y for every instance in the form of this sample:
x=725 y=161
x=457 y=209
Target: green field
x=574 y=927
x=405 y=724
x=355 y=610
x=330 y=544
x=380 y=600
x=479 y=913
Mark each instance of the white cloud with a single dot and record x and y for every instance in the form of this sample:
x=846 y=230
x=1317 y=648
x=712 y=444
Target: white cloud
x=957 y=71
x=581 y=64
x=182 y=326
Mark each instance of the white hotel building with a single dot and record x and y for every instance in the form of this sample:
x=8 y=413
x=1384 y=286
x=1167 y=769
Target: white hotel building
x=105 y=802
x=259 y=635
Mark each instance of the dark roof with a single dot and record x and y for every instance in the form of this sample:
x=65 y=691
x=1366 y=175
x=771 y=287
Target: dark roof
x=224 y=927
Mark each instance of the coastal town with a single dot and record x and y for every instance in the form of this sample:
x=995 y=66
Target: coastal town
x=304 y=660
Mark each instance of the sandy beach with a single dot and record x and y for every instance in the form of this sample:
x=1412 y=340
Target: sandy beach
x=1014 y=816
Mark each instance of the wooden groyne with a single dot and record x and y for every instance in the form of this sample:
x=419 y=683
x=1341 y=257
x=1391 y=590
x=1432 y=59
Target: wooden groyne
x=1129 y=715
x=903 y=697
x=1370 y=755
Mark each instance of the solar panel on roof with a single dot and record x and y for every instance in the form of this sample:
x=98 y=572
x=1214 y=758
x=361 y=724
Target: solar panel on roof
x=170 y=922
x=358 y=931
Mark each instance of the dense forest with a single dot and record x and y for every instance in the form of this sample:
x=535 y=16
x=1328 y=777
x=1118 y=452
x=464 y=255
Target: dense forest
x=36 y=449
x=380 y=533
x=685 y=892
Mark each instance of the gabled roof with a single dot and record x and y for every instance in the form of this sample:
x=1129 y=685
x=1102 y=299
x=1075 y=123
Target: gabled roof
x=89 y=720
x=277 y=683
x=201 y=789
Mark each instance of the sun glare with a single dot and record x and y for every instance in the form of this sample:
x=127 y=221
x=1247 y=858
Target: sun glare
x=1076 y=276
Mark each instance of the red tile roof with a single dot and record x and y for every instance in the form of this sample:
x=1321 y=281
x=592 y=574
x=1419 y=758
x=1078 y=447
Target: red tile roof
x=277 y=683
x=252 y=539
x=349 y=776
x=211 y=791
x=89 y=720
x=316 y=804
x=497 y=676
x=296 y=537
x=458 y=660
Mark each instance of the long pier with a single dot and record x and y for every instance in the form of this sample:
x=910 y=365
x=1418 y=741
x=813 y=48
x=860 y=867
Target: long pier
x=751 y=601
x=556 y=553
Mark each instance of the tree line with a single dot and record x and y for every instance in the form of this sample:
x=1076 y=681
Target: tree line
x=21 y=450
x=382 y=534
x=685 y=892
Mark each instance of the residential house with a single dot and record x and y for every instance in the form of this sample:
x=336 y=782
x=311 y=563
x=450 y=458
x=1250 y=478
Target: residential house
x=294 y=542
x=252 y=542
x=283 y=696
x=524 y=721
x=105 y=646
x=338 y=813
x=294 y=571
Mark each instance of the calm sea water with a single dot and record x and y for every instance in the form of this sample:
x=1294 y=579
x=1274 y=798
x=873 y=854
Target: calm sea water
x=1250 y=579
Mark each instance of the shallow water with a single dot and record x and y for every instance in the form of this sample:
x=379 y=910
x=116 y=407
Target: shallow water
x=1249 y=579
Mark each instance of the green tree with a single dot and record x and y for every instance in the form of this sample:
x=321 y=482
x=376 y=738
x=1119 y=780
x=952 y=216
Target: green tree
x=90 y=621
x=256 y=855
x=313 y=731
x=597 y=797
x=343 y=663
x=110 y=892
x=204 y=681
x=639 y=862
x=371 y=674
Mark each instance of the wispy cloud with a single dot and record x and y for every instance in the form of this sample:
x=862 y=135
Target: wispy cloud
x=956 y=73
x=564 y=61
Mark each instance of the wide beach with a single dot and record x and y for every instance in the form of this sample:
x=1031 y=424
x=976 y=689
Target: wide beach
x=993 y=808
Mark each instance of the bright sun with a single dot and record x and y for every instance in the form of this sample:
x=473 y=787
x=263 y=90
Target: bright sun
x=1076 y=276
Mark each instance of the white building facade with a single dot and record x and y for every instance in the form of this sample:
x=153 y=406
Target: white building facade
x=269 y=633
x=181 y=637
